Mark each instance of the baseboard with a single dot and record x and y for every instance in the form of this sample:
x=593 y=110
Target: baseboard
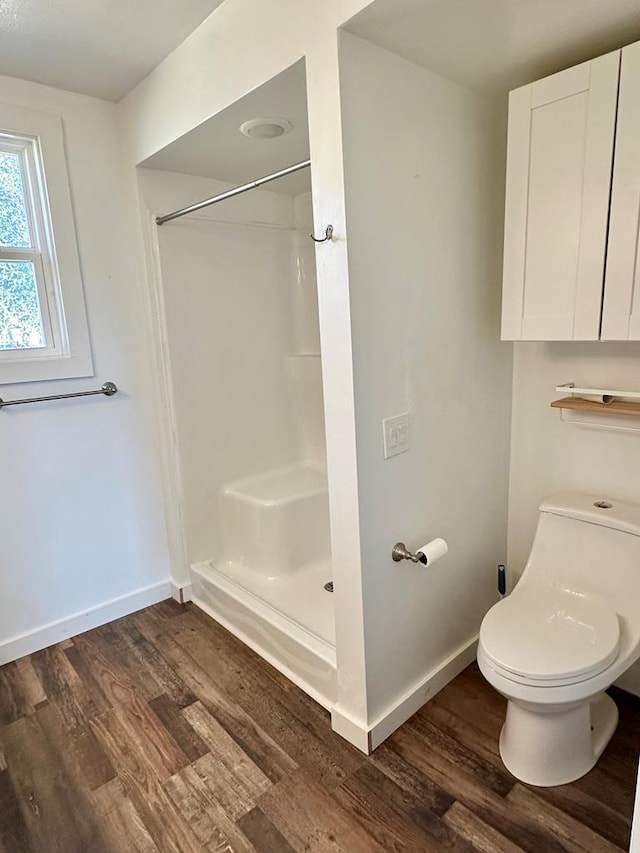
x=55 y=632
x=181 y=594
x=426 y=689
x=367 y=738
x=350 y=729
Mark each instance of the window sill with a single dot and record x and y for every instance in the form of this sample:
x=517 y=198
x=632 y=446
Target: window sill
x=43 y=369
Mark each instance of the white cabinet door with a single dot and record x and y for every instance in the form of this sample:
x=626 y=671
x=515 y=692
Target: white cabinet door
x=621 y=308
x=559 y=159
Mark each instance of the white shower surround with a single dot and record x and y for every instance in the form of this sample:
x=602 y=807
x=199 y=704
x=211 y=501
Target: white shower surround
x=241 y=313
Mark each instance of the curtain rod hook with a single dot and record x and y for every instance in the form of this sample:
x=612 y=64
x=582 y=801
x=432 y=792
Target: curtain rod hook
x=328 y=235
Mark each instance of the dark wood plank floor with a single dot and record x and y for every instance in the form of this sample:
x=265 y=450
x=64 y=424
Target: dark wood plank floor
x=161 y=732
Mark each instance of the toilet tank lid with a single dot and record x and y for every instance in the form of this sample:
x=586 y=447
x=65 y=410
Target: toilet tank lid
x=595 y=509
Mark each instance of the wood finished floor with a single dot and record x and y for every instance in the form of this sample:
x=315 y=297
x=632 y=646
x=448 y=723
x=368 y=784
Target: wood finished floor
x=162 y=732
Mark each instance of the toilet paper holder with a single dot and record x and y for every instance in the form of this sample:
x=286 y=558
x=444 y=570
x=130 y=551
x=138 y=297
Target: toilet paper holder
x=400 y=552
x=426 y=554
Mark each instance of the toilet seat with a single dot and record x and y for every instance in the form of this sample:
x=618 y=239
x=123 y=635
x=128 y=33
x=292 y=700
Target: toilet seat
x=549 y=637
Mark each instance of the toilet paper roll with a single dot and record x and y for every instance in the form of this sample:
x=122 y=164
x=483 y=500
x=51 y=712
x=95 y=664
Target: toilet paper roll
x=598 y=398
x=432 y=551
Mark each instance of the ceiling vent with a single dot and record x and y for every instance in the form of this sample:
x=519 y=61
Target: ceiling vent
x=265 y=128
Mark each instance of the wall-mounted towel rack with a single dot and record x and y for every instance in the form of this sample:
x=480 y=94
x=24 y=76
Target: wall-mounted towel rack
x=574 y=391
x=585 y=406
x=108 y=389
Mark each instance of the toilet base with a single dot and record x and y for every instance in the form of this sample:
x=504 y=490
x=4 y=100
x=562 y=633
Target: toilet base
x=552 y=745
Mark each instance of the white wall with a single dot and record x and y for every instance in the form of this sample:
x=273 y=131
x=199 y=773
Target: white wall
x=548 y=455
x=80 y=500
x=423 y=179
x=238 y=306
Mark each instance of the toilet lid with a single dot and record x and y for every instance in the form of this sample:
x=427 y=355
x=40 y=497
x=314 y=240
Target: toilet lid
x=550 y=635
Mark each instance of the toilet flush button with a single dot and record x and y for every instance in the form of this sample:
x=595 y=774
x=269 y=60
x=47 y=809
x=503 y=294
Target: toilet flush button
x=604 y=504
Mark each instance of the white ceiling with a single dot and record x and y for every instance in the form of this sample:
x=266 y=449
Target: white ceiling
x=489 y=45
x=496 y=45
x=105 y=48
x=97 y=47
x=217 y=149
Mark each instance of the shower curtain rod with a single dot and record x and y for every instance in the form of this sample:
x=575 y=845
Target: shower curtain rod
x=160 y=220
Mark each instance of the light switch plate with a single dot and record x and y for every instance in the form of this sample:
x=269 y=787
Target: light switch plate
x=396 y=435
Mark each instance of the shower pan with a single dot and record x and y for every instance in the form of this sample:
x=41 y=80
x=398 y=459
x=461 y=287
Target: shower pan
x=268 y=587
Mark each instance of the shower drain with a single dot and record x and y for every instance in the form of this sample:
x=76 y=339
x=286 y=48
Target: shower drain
x=329 y=586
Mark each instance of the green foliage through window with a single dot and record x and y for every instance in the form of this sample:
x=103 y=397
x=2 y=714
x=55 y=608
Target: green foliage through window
x=20 y=317
x=20 y=314
x=14 y=225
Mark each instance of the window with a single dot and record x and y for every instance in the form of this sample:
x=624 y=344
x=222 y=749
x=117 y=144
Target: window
x=43 y=328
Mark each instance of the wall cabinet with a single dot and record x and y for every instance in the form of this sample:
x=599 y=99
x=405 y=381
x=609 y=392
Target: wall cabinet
x=573 y=204
x=621 y=305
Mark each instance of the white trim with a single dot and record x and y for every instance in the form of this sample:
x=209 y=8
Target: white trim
x=424 y=690
x=48 y=197
x=351 y=730
x=55 y=632
x=181 y=594
x=367 y=738
x=165 y=408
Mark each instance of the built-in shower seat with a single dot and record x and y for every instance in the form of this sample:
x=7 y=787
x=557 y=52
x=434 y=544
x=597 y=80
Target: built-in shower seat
x=276 y=522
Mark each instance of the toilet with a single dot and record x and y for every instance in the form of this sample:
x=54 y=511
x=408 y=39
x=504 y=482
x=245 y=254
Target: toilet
x=568 y=630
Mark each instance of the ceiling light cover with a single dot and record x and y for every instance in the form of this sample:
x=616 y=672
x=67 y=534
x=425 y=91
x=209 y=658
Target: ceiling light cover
x=265 y=128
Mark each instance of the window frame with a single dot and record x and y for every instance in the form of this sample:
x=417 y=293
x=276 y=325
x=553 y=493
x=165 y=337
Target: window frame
x=38 y=139
x=25 y=149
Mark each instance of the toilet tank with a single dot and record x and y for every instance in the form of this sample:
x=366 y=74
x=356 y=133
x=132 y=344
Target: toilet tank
x=590 y=545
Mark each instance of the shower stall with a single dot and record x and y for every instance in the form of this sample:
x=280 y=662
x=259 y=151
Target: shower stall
x=236 y=281
x=271 y=579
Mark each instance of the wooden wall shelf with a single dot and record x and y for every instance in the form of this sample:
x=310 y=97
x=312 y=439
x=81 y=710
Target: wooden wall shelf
x=618 y=407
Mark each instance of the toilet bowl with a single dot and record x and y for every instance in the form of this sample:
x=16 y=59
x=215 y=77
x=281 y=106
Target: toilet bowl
x=568 y=630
